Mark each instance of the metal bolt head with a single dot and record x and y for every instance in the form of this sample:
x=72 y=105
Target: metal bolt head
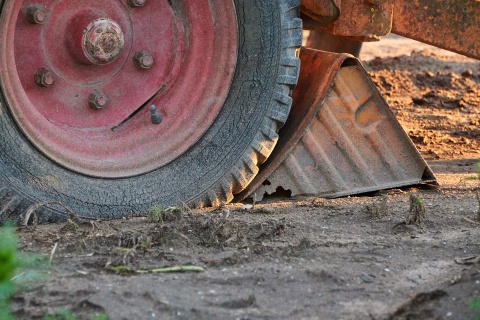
x=44 y=78
x=136 y=3
x=36 y=14
x=154 y=115
x=97 y=100
x=143 y=60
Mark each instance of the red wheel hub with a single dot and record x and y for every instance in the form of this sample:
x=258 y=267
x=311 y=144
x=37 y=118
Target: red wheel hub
x=80 y=82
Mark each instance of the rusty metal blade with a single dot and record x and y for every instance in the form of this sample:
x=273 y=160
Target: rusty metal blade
x=341 y=139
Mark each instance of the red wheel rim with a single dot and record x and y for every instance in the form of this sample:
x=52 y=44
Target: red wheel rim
x=80 y=81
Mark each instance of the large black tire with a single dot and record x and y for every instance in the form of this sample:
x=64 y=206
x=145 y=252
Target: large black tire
x=221 y=164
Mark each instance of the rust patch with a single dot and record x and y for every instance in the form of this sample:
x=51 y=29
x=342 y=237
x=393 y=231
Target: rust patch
x=453 y=25
x=324 y=11
x=103 y=41
x=361 y=20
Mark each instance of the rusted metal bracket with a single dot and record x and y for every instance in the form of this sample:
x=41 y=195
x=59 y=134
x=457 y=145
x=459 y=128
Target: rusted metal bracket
x=341 y=138
x=323 y=11
x=453 y=25
x=359 y=20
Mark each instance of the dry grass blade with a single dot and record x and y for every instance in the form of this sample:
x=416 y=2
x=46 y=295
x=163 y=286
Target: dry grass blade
x=53 y=252
x=478 y=200
x=33 y=209
x=379 y=209
x=175 y=269
x=471 y=221
x=183 y=207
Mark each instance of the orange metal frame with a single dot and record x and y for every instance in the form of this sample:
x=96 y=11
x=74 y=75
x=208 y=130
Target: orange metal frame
x=453 y=25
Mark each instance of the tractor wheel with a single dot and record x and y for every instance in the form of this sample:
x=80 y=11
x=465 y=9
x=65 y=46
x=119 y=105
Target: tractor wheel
x=111 y=107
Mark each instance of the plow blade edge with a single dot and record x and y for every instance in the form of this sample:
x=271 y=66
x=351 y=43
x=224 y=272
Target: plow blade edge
x=341 y=138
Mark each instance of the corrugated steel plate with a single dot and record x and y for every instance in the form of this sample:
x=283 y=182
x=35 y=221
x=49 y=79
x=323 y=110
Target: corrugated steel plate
x=348 y=142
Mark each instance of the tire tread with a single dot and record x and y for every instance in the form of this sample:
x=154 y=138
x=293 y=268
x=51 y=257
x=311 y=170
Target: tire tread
x=266 y=138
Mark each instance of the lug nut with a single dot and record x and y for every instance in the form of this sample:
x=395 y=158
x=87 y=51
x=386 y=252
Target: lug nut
x=97 y=100
x=136 y=3
x=155 y=116
x=143 y=60
x=36 y=14
x=44 y=78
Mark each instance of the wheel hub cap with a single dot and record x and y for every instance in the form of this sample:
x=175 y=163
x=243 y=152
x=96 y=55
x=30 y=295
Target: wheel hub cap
x=103 y=41
x=80 y=80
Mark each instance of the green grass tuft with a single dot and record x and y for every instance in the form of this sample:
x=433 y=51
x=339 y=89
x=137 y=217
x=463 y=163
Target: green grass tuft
x=9 y=263
x=475 y=304
x=159 y=215
x=476 y=176
x=63 y=314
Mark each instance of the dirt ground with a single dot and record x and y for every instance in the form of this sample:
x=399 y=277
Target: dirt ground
x=303 y=258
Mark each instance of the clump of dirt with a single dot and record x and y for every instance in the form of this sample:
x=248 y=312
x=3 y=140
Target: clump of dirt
x=439 y=104
x=446 y=302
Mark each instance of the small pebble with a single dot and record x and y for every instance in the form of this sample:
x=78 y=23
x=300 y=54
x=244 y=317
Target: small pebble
x=467 y=73
x=268 y=210
x=367 y=279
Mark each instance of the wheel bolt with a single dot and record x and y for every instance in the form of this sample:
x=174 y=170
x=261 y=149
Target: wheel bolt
x=136 y=3
x=143 y=60
x=155 y=116
x=44 y=78
x=36 y=14
x=97 y=100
